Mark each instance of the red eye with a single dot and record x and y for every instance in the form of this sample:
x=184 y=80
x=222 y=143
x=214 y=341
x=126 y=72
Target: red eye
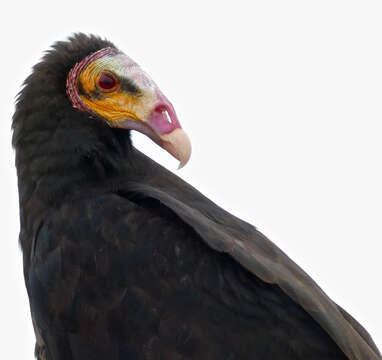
x=107 y=82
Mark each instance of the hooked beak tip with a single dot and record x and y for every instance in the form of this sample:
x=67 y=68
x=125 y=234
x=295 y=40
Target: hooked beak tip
x=178 y=144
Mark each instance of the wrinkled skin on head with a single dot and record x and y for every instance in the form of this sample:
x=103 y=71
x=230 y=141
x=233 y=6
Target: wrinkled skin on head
x=116 y=89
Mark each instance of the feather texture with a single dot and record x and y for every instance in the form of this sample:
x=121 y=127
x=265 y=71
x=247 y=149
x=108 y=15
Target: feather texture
x=124 y=260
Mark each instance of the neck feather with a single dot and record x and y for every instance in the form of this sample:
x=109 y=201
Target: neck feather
x=60 y=150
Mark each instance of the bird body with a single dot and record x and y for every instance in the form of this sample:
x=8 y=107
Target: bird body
x=123 y=259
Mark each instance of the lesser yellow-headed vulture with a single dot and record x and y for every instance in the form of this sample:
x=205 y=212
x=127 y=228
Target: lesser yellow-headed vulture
x=125 y=261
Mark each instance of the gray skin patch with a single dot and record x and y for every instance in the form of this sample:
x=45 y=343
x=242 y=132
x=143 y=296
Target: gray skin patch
x=127 y=86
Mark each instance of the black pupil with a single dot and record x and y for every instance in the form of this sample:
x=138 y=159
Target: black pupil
x=106 y=81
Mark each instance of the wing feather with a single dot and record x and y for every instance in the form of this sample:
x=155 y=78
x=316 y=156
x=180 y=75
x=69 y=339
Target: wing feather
x=226 y=233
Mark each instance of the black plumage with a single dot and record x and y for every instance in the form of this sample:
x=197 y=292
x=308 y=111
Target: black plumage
x=124 y=260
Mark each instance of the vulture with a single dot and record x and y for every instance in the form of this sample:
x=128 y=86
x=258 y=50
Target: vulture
x=122 y=259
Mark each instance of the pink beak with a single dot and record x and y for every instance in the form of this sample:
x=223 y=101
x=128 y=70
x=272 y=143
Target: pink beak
x=165 y=123
x=163 y=127
x=162 y=124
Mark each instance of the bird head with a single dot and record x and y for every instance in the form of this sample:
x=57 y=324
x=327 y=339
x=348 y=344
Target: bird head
x=110 y=85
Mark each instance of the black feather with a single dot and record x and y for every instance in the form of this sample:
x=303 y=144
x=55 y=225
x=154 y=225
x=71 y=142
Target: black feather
x=124 y=260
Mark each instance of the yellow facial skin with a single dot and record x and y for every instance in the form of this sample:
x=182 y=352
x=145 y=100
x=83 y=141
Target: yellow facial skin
x=135 y=103
x=117 y=105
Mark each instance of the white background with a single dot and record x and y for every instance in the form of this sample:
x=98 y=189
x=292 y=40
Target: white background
x=282 y=101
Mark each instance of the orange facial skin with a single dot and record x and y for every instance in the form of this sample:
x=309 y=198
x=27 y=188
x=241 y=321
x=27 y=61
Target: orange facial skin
x=117 y=105
x=133 y=101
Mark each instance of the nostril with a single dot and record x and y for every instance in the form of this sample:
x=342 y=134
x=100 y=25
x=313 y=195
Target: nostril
x=163 y=119
x=163 y=110
x=168 y=116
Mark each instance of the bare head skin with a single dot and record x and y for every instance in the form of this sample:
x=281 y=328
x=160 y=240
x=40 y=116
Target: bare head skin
x=112 y=86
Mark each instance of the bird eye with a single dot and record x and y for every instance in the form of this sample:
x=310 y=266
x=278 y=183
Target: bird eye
x=107 y=82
